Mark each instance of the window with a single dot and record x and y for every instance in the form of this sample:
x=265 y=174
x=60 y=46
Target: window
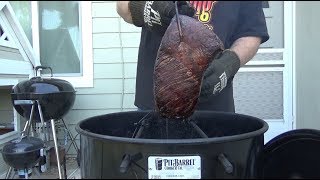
x=22 y=10
x=274 y=14
x=61 y=33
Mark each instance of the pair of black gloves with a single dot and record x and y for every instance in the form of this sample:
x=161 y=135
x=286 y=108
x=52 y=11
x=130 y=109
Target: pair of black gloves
x=156 y=16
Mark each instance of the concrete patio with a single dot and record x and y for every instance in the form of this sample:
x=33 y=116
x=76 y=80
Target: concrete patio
x=72 y=169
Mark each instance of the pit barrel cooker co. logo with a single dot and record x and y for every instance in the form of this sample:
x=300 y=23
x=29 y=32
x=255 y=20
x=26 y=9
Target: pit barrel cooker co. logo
x=173 y=164
x=204 y=11
x=174 y=167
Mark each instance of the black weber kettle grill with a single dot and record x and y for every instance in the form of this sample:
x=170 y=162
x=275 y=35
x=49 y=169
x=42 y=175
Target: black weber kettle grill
x=43 y=99
x=22 y=153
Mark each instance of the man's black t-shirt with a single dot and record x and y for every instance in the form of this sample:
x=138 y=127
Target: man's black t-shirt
x=230 y=20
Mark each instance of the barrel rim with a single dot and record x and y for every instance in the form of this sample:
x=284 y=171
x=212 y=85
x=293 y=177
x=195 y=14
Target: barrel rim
x=194 y=141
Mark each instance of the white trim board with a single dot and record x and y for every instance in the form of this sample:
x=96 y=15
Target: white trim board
x=14 y=67
x=283 y=65
x=294 y=94
x=288 y=59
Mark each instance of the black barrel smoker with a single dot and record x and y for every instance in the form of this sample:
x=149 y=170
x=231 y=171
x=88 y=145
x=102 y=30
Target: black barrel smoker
x=140 y=145
x=209 y=145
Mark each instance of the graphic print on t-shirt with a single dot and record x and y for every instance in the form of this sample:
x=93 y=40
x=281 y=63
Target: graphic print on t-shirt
x=204 y=11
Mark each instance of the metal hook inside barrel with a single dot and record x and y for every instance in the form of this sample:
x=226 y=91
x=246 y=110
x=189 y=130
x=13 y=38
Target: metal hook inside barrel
x=178 y=20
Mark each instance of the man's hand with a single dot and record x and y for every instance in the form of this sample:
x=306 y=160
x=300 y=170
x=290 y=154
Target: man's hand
x=157 y=15
x=219 y=72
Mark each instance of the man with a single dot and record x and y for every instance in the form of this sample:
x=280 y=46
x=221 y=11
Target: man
x=239 y=24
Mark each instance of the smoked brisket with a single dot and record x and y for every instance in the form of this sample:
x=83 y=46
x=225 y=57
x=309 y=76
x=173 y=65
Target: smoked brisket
x=180 y=64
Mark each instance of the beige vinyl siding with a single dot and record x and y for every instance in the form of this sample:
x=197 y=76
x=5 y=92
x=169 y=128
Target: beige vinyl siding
x=6 y=109
x=115 y=50
x=307 y=64
x=8 y=53
x=130 y=54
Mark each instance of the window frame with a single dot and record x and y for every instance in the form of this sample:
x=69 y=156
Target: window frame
x=286 y=66
x=86 y=79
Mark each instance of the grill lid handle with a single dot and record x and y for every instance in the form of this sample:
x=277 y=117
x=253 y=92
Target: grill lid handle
x=42 y=67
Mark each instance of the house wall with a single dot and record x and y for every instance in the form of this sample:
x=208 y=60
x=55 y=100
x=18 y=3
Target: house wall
x=115 y=50
x=307 y=64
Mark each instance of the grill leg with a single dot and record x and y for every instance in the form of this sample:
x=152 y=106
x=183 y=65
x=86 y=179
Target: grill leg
x=27 y=126
x=13 y=173
x=26 y=176
x=70 y=136
x=36 y=171
x=9 y=173
x=56 y=147
x=42 y=120
x=65 y=167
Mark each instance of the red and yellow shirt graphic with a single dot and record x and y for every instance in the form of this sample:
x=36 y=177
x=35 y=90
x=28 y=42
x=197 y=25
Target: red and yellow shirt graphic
x=204 y=11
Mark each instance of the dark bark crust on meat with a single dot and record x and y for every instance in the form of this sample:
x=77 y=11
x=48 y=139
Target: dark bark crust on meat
x=180 y=65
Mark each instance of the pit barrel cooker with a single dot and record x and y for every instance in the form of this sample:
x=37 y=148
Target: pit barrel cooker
x=139 y=144
x=43 y=99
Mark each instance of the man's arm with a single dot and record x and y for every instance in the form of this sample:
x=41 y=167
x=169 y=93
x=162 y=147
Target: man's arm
x=246 y=48
x=153 y=15
x=223 y=68
x=123 y=11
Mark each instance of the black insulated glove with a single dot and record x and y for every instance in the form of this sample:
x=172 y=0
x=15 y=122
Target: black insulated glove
x=157 y=15
x=219 y=72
